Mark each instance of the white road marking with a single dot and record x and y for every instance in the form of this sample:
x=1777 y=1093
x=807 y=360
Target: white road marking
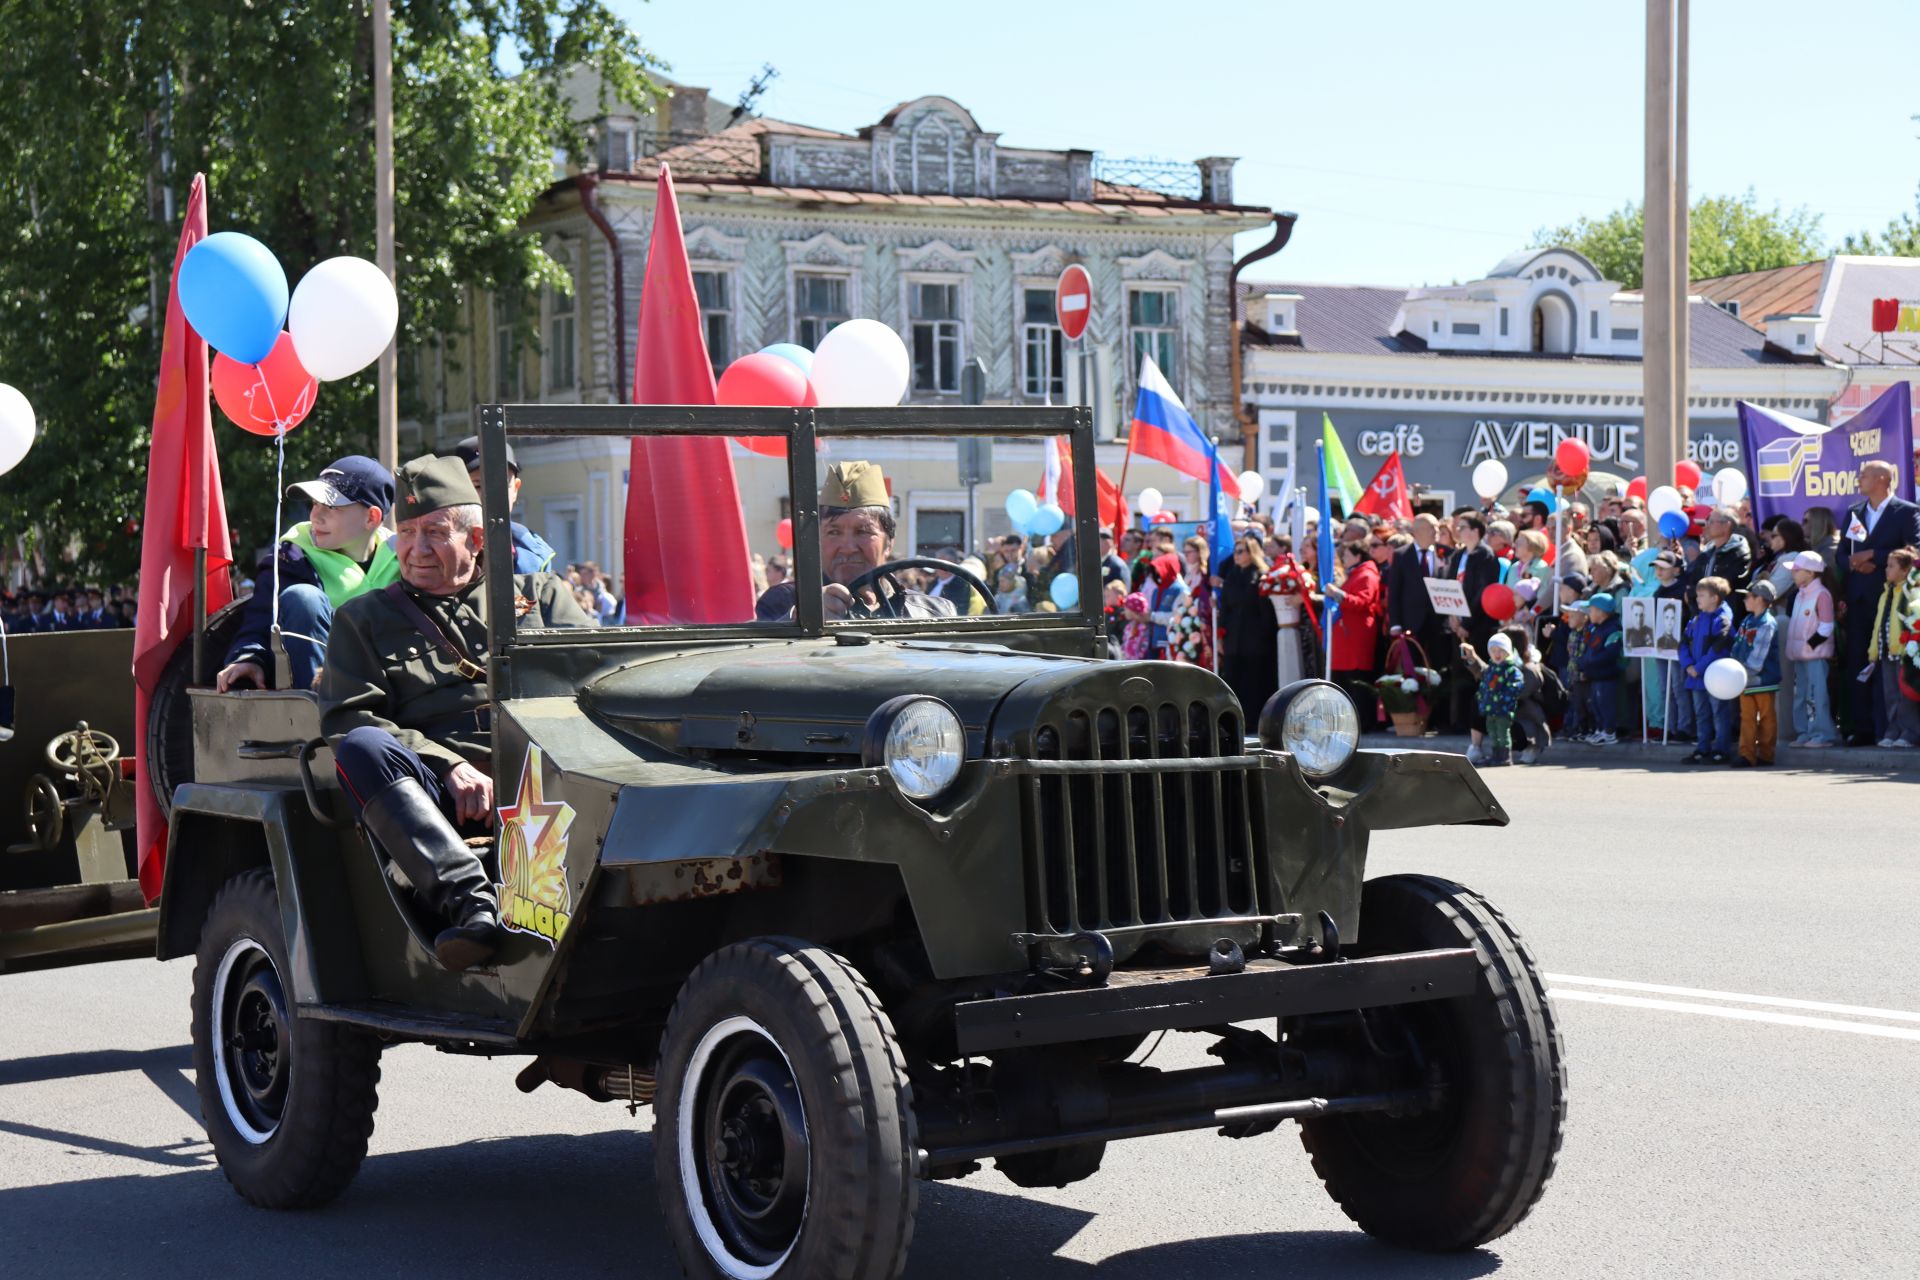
x=1778 y=1002
x=1740 y=1015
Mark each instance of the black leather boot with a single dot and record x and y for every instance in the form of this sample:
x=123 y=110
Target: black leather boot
x=447 y=876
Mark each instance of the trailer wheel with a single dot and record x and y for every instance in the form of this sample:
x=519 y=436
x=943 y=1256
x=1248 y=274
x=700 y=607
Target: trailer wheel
x=1467 y=1172
x=784 y=1136
x=288 y=1104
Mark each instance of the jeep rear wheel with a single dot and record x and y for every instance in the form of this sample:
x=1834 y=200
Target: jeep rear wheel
x=784 y=1137
x=288 y=1104
x=1470 y=1169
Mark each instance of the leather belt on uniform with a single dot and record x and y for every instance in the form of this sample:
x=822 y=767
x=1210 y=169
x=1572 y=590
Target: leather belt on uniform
x=479 y=720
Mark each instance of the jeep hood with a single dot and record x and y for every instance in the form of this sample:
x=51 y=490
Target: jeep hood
x=807 y=695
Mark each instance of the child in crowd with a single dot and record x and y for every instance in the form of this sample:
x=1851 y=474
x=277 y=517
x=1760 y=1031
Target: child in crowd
x=1810 y=647
x=1138 y=638
x=1578 y=725
x=1707 y=637
x=1115 y=614
x=1602 y=659
x=1756 y=646
x=1010 y=592
x=1501 y=687
x=1891 y=617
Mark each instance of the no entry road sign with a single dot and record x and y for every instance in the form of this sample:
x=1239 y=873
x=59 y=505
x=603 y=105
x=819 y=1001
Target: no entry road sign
x=1073 y=301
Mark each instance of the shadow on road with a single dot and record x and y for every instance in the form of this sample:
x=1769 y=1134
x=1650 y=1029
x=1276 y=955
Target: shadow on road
x=584 y=1205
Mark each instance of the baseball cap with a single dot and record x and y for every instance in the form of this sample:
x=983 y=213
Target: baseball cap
x=1578 y=606
x=348 y=480
x=468 y=451
x=1809 y=562
x=1603 y=601
x=1674 y=560
x=1580 y=583
x=1764 y=590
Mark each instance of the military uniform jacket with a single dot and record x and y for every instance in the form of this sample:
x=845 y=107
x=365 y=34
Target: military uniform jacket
x=382 y=673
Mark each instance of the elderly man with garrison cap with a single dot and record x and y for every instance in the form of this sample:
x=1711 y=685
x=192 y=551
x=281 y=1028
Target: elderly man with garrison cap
x=403 y=701
x=856 y=534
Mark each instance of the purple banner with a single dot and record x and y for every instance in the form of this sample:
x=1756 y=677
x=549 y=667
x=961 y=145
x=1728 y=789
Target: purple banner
x=1796 y=464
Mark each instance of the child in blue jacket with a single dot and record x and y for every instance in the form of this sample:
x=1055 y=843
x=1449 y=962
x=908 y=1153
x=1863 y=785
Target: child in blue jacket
x=1708 y=636
x=1603 y=658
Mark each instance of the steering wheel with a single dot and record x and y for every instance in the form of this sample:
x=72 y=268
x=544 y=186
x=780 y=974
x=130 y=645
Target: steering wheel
x=867 y=579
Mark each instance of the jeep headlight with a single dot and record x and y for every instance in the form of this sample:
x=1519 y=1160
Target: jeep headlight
x=921 y=743
x=1315 y=722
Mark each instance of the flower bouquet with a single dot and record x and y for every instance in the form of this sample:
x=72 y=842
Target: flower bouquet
x=1406 y=686
x=1909 y=654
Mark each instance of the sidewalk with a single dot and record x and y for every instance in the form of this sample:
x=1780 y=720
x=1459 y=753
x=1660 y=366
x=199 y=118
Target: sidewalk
x=1640 y=755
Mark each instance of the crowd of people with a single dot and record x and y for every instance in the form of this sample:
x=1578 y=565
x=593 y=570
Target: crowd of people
x=25 y=612
x=1818 y=613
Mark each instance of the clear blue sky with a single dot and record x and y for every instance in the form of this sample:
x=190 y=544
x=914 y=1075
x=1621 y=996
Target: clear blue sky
x=1419 y=142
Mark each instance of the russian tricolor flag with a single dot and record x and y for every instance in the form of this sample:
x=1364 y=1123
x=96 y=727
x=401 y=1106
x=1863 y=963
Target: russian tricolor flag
x=1165 y=431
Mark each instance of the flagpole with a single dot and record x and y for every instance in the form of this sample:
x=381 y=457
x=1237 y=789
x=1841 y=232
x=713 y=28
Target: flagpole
x=1126 y=505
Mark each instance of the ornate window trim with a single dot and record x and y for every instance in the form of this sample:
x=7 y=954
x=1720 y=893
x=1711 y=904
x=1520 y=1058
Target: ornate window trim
x=1048 y=260
x=937 y=257
x=1157 y=264
x=825 y=250
x=710 y=244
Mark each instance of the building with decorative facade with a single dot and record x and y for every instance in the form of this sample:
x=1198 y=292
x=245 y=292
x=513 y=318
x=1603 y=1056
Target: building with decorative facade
x=923 y=220
x=1503 y=368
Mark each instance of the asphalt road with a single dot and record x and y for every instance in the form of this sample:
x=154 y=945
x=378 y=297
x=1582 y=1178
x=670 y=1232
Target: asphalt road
x=1707 y=1136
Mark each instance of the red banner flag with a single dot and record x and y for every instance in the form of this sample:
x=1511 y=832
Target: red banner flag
x=686 y=539
x=185 y=512
x=1387 y=497
x=1112 y=506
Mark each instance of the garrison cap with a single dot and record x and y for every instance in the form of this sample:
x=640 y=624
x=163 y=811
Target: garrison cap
x=854 y=484
x=430 y=483
x=468 y=451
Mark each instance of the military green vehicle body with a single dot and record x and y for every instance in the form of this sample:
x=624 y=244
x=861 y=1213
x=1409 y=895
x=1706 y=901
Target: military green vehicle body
x=1119 y=855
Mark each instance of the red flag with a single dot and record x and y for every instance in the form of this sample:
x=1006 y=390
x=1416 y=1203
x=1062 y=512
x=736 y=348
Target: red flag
x=185 y=511
x=686 y=539
x=1112 y=506
x=1387 y=496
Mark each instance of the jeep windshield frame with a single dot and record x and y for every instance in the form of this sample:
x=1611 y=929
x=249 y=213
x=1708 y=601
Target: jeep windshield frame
x=801 y=429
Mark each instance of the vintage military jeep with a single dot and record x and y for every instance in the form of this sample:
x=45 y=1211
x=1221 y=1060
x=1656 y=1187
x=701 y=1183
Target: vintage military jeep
x=853 y=905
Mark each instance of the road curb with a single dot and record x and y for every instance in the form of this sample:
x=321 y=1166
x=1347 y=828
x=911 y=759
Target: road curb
x=1641 y=754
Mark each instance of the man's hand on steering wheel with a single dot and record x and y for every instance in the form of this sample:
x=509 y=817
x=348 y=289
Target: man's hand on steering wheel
x=871 y=576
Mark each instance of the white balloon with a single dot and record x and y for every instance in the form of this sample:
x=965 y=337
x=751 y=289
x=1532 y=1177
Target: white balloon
x=16 y=428
x=861 y=362
x=1662 y=500
x=342 y=316
x=1252 y=486
x=1151 y=502
x=1729 y=486
x=1490 y=478
x=1725 y=679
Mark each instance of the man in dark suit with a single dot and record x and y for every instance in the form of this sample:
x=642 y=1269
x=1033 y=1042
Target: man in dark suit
x=1879 y=523
x=1410 y=609
x=1477 y=569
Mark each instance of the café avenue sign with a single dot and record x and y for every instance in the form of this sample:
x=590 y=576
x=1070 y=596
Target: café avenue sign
x=1614 y=443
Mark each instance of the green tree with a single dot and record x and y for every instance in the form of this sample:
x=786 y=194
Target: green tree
x=1901 y=239
x=108 y=108
x=1726 y=235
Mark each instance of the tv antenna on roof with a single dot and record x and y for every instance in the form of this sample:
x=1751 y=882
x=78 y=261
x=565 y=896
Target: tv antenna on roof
x=766 y=76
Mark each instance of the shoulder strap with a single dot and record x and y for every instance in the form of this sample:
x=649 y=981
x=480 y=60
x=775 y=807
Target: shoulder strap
x=428 y=626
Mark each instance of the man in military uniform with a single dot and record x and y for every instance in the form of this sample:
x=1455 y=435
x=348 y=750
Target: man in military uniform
x=856 y=534
x=403 y=701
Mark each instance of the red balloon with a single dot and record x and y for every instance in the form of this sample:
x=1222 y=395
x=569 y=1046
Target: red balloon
x=1637 y=488
x=783 y=534
x=761 y=380
x=1161 y=517
x=1686 y=475
x=269 y=398
x=1572 y=456
x=1498 y=601
x=1553 y=553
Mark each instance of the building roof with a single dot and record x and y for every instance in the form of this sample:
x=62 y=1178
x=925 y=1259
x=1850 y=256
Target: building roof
x=1343 y=319
x=1780 y=291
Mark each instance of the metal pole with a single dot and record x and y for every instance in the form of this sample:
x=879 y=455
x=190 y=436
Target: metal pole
x=388 y=394
x=199 y=615
x=1682 y=266
x=1656 y=358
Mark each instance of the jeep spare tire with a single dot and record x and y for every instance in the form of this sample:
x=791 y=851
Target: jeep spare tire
x=784 y=1137
x=1468 y=1170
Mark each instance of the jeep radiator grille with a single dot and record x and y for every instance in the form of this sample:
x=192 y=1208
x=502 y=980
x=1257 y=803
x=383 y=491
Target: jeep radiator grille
x=1152 y=841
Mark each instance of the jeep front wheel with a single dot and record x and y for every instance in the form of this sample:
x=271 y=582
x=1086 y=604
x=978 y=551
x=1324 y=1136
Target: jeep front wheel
x=1468 y=1170
x=784 y=1137
x=288 y=1104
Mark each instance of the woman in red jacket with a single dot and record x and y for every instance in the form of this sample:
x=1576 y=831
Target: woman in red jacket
x=1356 y=635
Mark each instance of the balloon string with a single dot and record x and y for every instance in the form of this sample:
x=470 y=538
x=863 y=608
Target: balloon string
x=279 y=498
x=6 y=661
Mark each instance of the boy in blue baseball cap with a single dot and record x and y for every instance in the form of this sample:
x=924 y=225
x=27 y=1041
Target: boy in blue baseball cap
x=338 y=552
x=1602 y=660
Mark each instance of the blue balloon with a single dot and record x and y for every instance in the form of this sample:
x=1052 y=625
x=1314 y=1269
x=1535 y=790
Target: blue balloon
x=1546 y=498
x=792 y=352
x=1047 y=521
x=1065 y=591
x=1021 y=506
x=235 y=295
x=1674 y=524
